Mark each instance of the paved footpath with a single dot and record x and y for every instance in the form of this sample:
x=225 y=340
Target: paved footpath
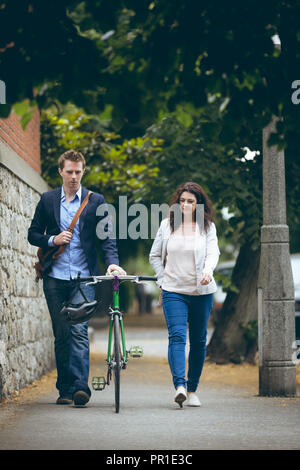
x=231 y=417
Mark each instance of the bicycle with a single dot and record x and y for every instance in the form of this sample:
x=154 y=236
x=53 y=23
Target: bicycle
x=117 y=357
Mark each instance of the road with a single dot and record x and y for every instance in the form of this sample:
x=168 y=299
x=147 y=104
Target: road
x=231 y=417
x=153 y=340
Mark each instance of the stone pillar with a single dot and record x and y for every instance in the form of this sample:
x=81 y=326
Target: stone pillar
x=276 y=305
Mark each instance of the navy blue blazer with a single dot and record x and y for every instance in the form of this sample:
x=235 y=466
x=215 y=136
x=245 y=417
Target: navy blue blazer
x=46 y=222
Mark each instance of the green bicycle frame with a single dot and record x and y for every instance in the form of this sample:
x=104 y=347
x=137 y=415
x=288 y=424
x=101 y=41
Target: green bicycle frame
x=116 y=311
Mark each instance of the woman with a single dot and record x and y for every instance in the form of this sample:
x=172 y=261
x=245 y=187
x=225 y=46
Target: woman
x=184 y=255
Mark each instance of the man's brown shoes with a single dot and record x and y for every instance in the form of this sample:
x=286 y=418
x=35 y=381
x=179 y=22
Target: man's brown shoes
x=80 y=398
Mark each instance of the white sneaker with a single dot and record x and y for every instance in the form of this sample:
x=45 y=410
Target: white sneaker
x=193 y=400
x=180 y=395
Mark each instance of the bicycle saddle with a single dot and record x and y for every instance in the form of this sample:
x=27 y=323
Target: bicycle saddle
x=79 y=313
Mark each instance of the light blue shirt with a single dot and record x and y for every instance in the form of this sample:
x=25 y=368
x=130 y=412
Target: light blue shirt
x=72 y=259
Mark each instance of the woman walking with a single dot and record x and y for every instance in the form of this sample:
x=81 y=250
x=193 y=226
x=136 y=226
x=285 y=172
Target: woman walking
x=184 y=255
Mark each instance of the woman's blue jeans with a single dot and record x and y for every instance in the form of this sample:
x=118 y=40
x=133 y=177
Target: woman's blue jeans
x=180 y=310
x=71 y=342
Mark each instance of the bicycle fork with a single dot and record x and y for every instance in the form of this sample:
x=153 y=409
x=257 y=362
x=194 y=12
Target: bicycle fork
x=110 y=335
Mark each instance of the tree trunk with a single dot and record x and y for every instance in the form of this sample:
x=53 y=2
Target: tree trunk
x=235 y=335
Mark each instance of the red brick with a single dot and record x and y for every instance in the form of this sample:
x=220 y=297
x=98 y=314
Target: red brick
x=25 y=143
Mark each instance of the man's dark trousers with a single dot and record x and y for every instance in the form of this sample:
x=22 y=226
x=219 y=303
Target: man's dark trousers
x=71 y=342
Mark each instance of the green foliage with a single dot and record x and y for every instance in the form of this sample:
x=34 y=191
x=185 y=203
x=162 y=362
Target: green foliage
x=231 y=180
x=250 y=331
x=150 y=168
x=25 y=109
x=227 y=284
x=139 y=264
x=147 y=59
x=43 y=57
x=164 y=54
x=125 y=168
x=199 y=77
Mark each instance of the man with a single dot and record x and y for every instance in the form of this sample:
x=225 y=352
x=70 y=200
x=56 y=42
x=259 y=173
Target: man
x=53 y=216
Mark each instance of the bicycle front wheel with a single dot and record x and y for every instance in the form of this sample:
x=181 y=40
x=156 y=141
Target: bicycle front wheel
x=117 y=361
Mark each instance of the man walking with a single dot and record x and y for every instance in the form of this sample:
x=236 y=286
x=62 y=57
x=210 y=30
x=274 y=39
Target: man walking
x=49 y=228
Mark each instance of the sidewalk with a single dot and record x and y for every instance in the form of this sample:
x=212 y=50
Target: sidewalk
x=232 y=416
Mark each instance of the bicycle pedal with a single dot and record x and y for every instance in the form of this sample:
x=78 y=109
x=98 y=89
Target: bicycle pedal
x=98 y=383
x=136 y=351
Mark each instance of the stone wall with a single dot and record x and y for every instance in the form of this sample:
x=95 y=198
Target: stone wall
x=26 y=342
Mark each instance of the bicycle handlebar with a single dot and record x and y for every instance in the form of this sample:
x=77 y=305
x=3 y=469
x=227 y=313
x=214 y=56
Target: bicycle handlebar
x=96 y=279
x=147 y=278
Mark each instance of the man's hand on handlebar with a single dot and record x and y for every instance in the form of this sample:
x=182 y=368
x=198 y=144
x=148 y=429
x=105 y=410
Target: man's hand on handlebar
x=115 y=267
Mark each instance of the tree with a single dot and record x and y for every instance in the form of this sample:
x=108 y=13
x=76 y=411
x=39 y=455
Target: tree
x=144 y=60
x=43 y=57
x=181 y=54
x=186 y=52
x=184 y=153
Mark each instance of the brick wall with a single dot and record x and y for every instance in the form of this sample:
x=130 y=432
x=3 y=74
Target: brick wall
x=26 y=143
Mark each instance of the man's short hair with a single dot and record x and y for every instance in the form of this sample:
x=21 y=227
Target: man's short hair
x=72 y=155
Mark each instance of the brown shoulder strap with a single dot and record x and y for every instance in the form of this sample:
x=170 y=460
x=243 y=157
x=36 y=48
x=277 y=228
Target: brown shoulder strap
x=73 y=223
x=79 y=212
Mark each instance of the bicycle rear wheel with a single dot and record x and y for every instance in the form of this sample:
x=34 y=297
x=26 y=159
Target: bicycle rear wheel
x=117 y=361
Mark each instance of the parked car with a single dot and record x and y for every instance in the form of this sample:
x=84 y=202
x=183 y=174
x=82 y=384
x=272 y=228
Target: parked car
x=227 y=267
x=295 y=261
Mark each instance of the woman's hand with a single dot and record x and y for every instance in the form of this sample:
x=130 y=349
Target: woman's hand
x=205 y=279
